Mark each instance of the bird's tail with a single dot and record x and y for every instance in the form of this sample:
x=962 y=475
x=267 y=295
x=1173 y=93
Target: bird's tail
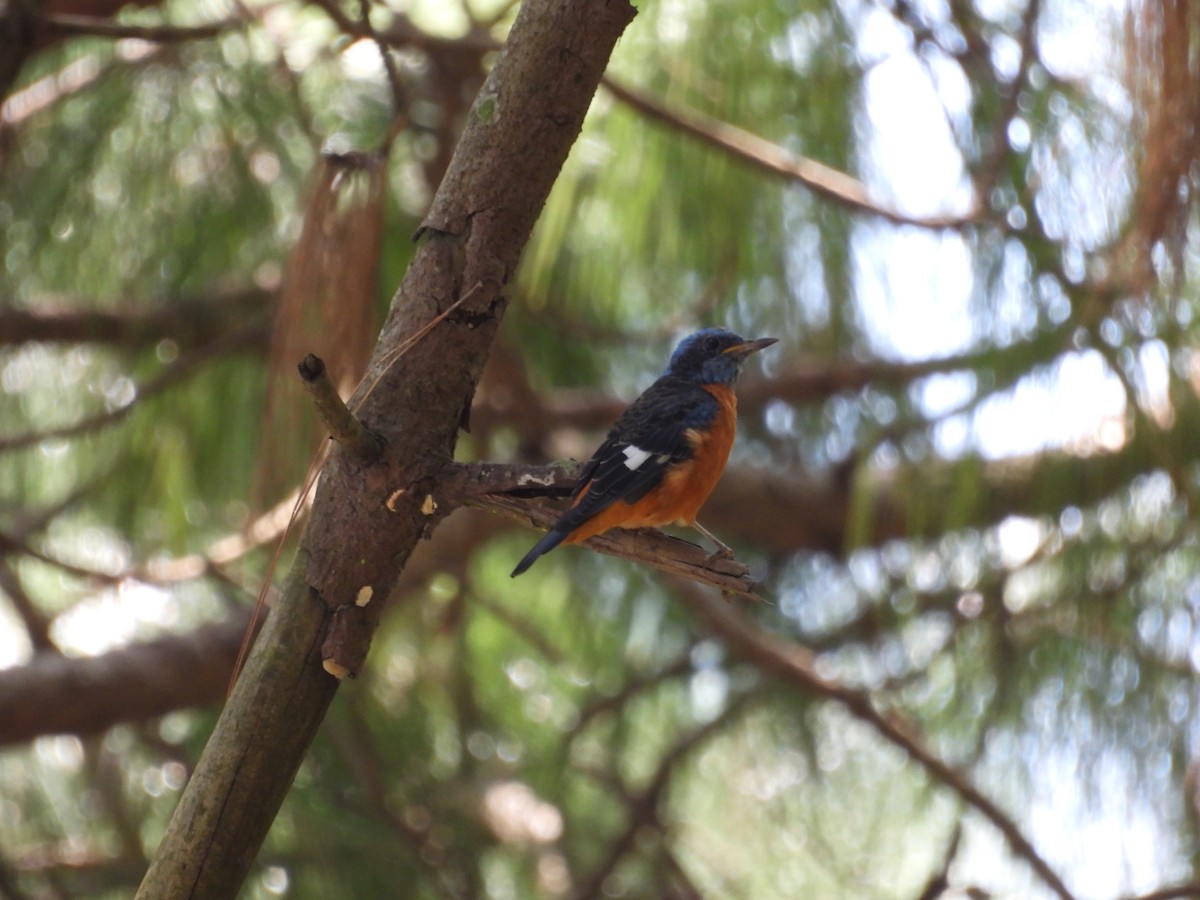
x=551 y=540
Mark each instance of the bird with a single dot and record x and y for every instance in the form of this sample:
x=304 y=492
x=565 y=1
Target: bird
x=666 y=452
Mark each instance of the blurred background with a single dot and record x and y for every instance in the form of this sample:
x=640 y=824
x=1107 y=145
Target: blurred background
x=966 y=476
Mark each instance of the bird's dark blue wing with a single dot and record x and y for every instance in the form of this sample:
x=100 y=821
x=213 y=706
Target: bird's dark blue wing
x=649 y=438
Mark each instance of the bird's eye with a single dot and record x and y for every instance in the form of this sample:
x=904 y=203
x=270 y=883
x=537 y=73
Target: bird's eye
x=711 y=345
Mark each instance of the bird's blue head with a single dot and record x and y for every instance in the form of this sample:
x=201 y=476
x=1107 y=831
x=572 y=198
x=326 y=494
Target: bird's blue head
x=713 y=356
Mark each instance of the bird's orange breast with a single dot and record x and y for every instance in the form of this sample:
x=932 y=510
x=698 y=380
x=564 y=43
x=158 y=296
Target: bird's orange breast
x=684 y=487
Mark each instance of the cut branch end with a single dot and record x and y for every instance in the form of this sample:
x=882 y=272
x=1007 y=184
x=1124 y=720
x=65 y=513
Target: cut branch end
x=343 y=427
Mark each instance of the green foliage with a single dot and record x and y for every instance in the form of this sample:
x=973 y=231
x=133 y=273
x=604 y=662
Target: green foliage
x=1022 y=595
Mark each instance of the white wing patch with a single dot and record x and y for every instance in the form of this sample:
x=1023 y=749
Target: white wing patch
x=634 y=457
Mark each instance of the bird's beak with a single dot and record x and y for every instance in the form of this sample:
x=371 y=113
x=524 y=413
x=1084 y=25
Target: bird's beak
x=745 y=348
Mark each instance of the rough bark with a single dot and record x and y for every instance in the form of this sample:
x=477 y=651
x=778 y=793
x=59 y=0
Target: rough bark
x=365 y=522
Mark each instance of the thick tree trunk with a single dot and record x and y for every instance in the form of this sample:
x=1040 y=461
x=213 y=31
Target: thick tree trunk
x=366 y=521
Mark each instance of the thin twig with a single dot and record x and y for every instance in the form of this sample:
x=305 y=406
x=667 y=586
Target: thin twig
x=507 y=489
x=487 y=23
x=187 y=320
x=685 y=888
x=989 y=174
x=939 y=882
x=403 y=32
x=631 y=688
x=13 y=546
x=220 y=553
x=389 y=64
x=523 y=628
x=1185 y=891
x=182 y=368
x=775 y=160
x=644 y=545
x=95 y=26
x=37 y=625
x=310 y=479
x=643 y=806
x=344 y=428
x=355 y=744
x=795 y=665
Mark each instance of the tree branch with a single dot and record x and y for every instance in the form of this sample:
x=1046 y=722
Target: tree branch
x=939 y=881
x=334 y=414
x=56 y=694
x=862 y=506
x=66 y=25
x=366 y=522
x=506 y=488
x=37 y=626
x=630 y=689
x=643 y=807
x=795 y=666
x=998 y=149
x=188 y=321
x=179 y=370
x=1184 y=891
x=772 y=159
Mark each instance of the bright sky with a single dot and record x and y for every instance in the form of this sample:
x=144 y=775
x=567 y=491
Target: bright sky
x=917 y=286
